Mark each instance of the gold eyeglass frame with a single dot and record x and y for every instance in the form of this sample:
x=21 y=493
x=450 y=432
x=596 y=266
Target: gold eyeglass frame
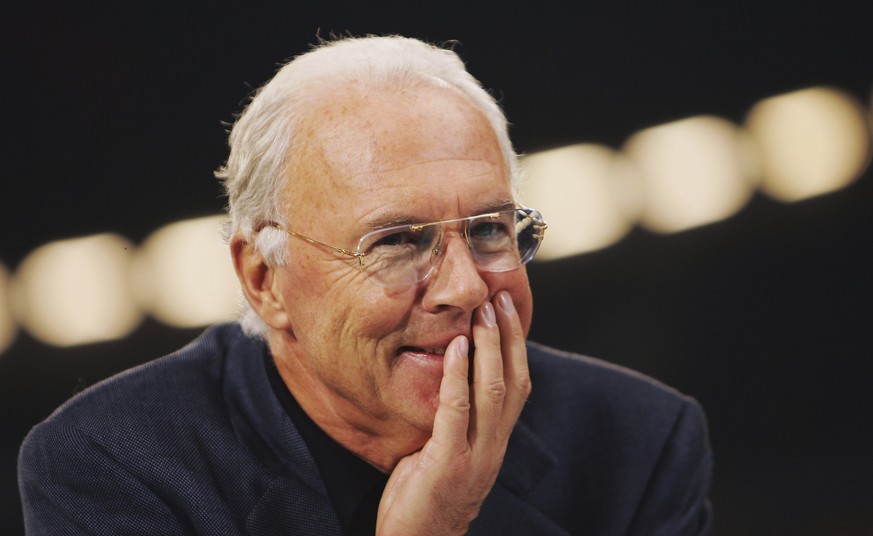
x=532 y=217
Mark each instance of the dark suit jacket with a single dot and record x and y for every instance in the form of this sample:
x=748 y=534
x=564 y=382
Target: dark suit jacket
x=196 y=443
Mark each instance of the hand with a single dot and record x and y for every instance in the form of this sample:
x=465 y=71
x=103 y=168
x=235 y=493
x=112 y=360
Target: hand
x=439 y=489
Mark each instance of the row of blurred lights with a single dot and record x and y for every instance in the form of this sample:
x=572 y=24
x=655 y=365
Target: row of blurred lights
x=666 y=178
x=699 y=170
x=100 y=287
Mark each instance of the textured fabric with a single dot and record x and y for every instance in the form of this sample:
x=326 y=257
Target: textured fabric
x=353 y=485
x=196 y=443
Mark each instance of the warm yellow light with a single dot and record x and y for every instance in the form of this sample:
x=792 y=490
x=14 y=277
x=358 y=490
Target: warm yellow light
x=693 y=172
x=7 y=323
x=76 y=291
x=184 y=276
x=811 y=142
x=581 y=195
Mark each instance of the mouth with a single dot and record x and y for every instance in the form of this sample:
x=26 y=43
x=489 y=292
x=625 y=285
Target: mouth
x=431 y=349
x=434 y=351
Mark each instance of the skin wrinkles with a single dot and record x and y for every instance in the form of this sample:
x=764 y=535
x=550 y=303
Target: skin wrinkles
x=338 y=339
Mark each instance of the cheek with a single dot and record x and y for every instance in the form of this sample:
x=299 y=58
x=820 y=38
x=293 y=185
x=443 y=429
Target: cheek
x=378 y=312
x=356 y=317
x=314 y=299
x=330 y=296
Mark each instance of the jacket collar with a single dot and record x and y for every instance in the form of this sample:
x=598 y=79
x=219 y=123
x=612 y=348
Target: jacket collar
x=293 y=498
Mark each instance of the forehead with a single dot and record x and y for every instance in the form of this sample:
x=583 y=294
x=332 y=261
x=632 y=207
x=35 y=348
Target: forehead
x=414 y=149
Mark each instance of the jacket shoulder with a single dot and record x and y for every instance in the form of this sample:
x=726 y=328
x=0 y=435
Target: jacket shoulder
x=145 y=445
x=591 y=379
x=164 y=388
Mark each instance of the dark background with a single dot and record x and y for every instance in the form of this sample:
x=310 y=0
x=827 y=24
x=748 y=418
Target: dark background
x=112 y=122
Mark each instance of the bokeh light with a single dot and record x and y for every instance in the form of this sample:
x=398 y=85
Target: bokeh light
x=76 y=291
x=183 y=274
x=811 y=142
x=692 y=172
x=581 y=192
x=7 y=323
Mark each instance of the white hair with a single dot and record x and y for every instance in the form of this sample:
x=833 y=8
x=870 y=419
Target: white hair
x=262 y=138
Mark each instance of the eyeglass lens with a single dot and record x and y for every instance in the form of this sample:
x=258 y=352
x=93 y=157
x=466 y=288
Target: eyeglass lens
x=405 y=255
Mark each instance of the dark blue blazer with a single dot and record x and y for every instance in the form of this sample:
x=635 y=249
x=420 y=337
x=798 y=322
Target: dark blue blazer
x=196 y=443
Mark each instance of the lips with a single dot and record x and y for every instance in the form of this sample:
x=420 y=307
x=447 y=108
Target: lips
x=423 y=350
x=432 y=348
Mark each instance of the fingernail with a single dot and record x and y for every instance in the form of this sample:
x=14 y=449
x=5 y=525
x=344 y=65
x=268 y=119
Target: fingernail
x=463 y=345
x=488 y=314
x=505 y=301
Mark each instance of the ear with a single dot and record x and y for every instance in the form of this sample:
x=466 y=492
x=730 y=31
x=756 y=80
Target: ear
x=258 y=281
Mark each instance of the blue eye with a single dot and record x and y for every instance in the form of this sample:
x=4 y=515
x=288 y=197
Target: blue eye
x=488 y=230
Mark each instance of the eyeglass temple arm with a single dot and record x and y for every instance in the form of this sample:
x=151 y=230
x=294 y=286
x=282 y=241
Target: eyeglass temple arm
x=358 y=256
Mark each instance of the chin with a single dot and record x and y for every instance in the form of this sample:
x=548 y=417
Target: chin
x=418 y=419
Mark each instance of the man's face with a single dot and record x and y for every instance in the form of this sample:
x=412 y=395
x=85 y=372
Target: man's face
x=361 y=356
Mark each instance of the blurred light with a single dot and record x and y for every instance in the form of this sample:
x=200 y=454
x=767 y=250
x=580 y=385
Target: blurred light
x=693 y=172
x=7 y=323
x=183 y=274
x=76 y=291
x=812 y=142
x=582 y=196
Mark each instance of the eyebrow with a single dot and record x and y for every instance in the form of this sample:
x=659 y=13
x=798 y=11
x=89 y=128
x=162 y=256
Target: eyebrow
x=393 y=219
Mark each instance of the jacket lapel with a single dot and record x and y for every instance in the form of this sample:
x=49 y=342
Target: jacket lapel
x=506 y=510
x=293 y=500
x=292 y=506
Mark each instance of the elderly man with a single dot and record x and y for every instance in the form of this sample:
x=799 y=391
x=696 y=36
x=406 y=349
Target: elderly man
x=379 y=380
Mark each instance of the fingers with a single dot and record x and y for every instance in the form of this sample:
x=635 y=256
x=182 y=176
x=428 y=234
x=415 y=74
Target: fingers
x=452 y=418
x=488 y=387
x=515 y=369
x=473 y=414
x=501 y=381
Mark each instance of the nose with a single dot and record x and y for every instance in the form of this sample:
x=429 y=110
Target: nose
x=456 y=282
